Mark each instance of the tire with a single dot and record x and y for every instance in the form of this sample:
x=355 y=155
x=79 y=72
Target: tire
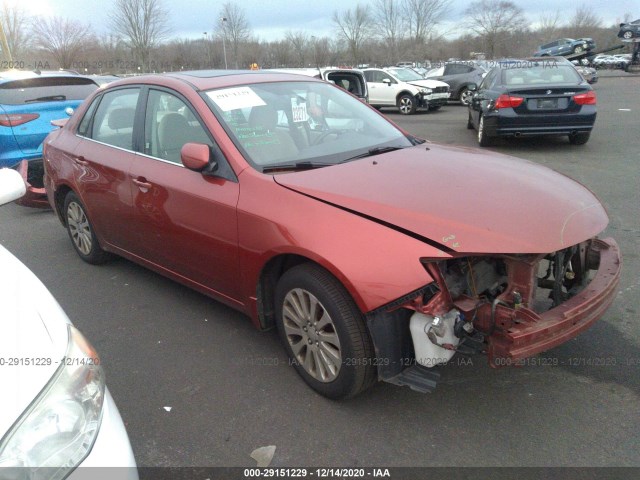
x=340 y=366
x=579 y=138
x=578 y=49
x=81 y=231
x=469 y=122
x=483 y=139
x=465 y=96
x=407 y=104
x=628 y=35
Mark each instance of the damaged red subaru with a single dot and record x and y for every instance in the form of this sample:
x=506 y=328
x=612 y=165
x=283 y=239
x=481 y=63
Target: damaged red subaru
x=375 y=254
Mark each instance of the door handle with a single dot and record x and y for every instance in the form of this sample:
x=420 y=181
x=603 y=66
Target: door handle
x=80 y=160
x=142 y=183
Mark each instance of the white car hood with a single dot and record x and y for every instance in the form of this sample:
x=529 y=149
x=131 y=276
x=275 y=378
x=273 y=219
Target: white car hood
x=427 y=83
x=33 y=332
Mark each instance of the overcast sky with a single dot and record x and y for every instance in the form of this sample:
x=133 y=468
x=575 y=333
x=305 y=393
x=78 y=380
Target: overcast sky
x=271 y=19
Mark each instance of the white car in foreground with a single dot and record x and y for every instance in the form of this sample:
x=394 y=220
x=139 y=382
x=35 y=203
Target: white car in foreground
x=404 y=89
x=56 y=413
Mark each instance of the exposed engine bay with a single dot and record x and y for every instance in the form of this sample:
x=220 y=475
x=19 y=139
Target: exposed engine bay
x=509 y=307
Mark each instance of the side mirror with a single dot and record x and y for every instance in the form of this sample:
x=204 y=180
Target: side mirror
x=472 y=87
x=387 y=81
x=197 y=157
x=12 y=186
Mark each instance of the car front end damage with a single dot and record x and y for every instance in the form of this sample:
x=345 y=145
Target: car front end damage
x=433 y=97
x=32 y=172
x=509 y=307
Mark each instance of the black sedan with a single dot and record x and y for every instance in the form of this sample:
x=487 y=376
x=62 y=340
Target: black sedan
x=533 y=97
x=629 y=31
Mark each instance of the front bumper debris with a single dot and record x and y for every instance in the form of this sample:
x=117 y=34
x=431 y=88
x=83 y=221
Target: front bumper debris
x=35 y=197
x=532 y=333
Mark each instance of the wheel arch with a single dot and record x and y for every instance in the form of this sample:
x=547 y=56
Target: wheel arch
x=405 y=92
x=275 y=268
x=58 y=199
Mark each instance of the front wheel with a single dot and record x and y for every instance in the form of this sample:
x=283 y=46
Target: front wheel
x=465 y=96
x=627 y=35
x=324 y=332
x=407 y=104
x=579 y=138
x=578 y=49
x=81 y=232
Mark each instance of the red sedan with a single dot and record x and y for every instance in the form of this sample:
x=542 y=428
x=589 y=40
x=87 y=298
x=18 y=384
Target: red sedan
x=376 y=255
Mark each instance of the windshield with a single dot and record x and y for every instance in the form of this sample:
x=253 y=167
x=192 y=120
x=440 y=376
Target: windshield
x=306 y=123
x=405 y=74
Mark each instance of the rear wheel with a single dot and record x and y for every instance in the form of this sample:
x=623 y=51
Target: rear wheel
x=579 y=138
x=627 y=35
x=483 y=139
x=324 y=332
x=578 y=49
x=407 y=104
x=81 y=232
x=465 y=96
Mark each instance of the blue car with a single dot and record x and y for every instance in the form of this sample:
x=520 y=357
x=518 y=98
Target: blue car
x=565 y=46
x=29 y=101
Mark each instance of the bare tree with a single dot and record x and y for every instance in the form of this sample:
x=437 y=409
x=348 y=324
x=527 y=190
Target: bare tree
x=14 y=23
x=389 y=22
x=549 y=24
x=423 y=16
x=233 y=27
x=61 y=37
x=493 y=20
x=298 y=41
x=583 y=19
x=355 y=27
x=142 y=24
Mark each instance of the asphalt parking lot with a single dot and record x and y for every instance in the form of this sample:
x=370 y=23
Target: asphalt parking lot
x=198 y=386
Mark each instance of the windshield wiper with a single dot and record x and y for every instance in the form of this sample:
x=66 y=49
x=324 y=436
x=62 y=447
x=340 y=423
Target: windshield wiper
x=294 y=166
x=374 y=151
x=50 y=98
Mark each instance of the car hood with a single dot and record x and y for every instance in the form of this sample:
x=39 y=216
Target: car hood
x=33 y=332
x=428 y=83
x=465 y=200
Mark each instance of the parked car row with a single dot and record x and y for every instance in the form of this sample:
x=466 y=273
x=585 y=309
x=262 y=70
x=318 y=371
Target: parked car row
x=618 y=61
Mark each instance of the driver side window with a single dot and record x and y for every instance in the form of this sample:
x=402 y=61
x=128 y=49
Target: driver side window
x=169 y=124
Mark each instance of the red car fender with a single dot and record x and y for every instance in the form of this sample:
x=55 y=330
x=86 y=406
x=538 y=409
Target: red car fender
x=376 y=264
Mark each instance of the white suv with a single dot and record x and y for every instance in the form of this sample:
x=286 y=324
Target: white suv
x=404 y=89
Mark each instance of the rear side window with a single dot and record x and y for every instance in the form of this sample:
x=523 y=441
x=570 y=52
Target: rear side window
x=45 y=89
x=113 y=121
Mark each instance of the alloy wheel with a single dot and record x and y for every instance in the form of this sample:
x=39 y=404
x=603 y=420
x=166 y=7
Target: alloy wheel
x=79 y=228
x=312 y=335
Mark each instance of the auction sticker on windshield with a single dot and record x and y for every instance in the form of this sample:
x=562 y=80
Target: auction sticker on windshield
x=234 y=98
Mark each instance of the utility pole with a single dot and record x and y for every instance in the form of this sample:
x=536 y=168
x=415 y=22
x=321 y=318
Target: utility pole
x=224 y=43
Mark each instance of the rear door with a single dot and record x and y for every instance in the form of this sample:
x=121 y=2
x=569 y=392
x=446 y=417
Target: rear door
x=185 y=221
x=102 y=161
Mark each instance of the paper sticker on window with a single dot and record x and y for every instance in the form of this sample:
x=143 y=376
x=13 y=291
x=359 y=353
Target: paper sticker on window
x=299 y=110
x=235 y=98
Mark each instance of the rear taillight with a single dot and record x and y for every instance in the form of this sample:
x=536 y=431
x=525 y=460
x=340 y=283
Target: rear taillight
x=588 y=98
x=508 y=101
x=15 y=119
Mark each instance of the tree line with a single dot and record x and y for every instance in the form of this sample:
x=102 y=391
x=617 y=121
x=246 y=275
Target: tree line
x=381 y=32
